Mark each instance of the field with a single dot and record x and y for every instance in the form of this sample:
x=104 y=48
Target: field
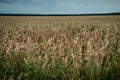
x=60 y=48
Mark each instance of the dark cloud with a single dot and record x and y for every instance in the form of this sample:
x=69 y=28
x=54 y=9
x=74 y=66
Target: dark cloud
x=13 y=1
x=25 y=1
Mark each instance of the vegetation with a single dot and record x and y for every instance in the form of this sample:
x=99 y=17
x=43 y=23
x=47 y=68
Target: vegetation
x=59 y=51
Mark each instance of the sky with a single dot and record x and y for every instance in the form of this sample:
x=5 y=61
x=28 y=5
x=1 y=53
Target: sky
x=58 y=6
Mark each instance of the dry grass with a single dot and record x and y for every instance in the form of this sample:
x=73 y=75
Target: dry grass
x=70 y=41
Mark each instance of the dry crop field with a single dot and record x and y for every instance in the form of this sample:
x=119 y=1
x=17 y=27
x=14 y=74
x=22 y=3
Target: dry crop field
x=60 y=48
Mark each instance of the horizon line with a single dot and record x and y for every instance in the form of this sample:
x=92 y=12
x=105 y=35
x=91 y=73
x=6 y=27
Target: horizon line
x=30 y=14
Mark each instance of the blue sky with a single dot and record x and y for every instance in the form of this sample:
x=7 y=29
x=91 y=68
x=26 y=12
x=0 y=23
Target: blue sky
x=59 y=6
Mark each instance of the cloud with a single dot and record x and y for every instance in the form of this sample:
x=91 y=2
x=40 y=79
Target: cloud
x=59 y=6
